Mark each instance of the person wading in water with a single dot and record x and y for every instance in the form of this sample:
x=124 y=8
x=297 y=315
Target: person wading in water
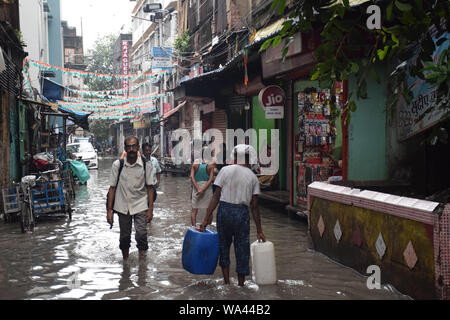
x=202 y=175
x=237 y=188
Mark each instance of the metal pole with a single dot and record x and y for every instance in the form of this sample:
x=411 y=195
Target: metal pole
x=161 y=86
x=65 y=136
x=290 y=121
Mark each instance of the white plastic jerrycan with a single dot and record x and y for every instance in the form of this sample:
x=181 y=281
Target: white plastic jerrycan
x=263 y=262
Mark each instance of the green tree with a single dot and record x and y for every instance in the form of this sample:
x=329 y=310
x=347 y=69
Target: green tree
x=182 y=44
x=349 y=49
x=100 y=129
x=100 y=60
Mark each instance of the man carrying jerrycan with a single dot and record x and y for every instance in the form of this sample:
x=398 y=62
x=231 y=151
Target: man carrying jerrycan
x=237 y=188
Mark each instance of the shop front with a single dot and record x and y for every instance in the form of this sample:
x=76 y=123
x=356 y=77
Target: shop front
x=309 y=137
x=317 y=137
x=268 y=115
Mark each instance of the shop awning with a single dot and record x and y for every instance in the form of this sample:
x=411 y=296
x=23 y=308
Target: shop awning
x=268 y=31
x=238 y=57
x=79 y=118
x=171 y=112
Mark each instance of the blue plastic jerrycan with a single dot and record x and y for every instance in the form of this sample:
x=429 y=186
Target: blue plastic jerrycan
x=200 y=251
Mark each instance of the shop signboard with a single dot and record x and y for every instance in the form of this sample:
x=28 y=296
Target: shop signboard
x=162 y=58
x=416 y=116
x=141 y=123
x=125 y=64
x=274 y=112
x=272 y=99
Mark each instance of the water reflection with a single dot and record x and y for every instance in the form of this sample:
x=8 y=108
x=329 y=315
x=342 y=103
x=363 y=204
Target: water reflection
x=80 y=259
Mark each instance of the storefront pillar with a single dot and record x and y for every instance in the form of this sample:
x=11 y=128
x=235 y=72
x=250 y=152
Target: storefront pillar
x=344 y=125
x=290 y=123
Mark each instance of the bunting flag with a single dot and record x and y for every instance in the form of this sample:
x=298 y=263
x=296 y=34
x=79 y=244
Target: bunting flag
x=119 y=100
x=99 y=108
x=113 y=92
x=26 y=72
x=103 y=104
x=94 y=75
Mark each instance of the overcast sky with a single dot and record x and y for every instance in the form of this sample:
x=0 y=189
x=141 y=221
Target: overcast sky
x=100 y=17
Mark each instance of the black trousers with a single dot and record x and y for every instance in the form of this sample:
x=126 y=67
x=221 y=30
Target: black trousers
x=140 y=226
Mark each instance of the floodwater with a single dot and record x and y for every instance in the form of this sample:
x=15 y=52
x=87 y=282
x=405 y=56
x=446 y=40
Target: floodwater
x=80 y=259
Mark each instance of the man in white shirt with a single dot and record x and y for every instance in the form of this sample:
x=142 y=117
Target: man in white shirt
x=147 y=151
x=130 y=195
x=237 y=188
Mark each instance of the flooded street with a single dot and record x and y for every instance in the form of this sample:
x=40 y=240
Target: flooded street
x=80 y=259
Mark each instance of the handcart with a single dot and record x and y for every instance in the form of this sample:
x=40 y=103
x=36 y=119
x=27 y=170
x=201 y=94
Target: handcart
x=49 y=199
x=43 y=196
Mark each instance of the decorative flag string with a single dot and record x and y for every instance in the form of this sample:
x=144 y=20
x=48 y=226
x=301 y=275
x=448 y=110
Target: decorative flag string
x=96 y=75
x=109 y=105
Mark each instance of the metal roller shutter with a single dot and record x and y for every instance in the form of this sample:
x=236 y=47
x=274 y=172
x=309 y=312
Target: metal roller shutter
x=219 y=121
x=237 y=102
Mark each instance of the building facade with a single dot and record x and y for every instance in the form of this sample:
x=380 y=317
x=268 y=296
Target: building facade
x=34 y=20
x=154 y=35
x=73 y=56
x=11 y=60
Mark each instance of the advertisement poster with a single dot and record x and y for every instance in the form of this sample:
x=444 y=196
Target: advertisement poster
x=424 y=99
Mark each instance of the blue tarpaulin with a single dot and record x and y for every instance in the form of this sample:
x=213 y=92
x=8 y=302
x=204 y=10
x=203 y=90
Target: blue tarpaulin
x=79 y=118
x=51 y=90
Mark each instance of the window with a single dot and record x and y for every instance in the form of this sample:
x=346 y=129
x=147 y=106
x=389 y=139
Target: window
x=69 y=55
x=86 y=147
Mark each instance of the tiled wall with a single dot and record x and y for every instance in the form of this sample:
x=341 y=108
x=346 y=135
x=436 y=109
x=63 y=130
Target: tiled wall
x=409 y=238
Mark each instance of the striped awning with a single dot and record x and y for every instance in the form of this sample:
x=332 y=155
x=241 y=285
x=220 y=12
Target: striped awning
x=171 y=112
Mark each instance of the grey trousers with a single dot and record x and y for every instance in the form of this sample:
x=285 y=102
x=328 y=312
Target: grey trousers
x=140 y=226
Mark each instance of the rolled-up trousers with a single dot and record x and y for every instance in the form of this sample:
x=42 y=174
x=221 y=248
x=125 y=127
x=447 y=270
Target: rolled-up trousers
x=233 y=225
x=140 y=226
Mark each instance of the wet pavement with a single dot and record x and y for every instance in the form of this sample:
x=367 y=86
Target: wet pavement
x=80 y=259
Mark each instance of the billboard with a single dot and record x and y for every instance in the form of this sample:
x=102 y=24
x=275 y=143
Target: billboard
x=411 y=117
x=162 y=58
